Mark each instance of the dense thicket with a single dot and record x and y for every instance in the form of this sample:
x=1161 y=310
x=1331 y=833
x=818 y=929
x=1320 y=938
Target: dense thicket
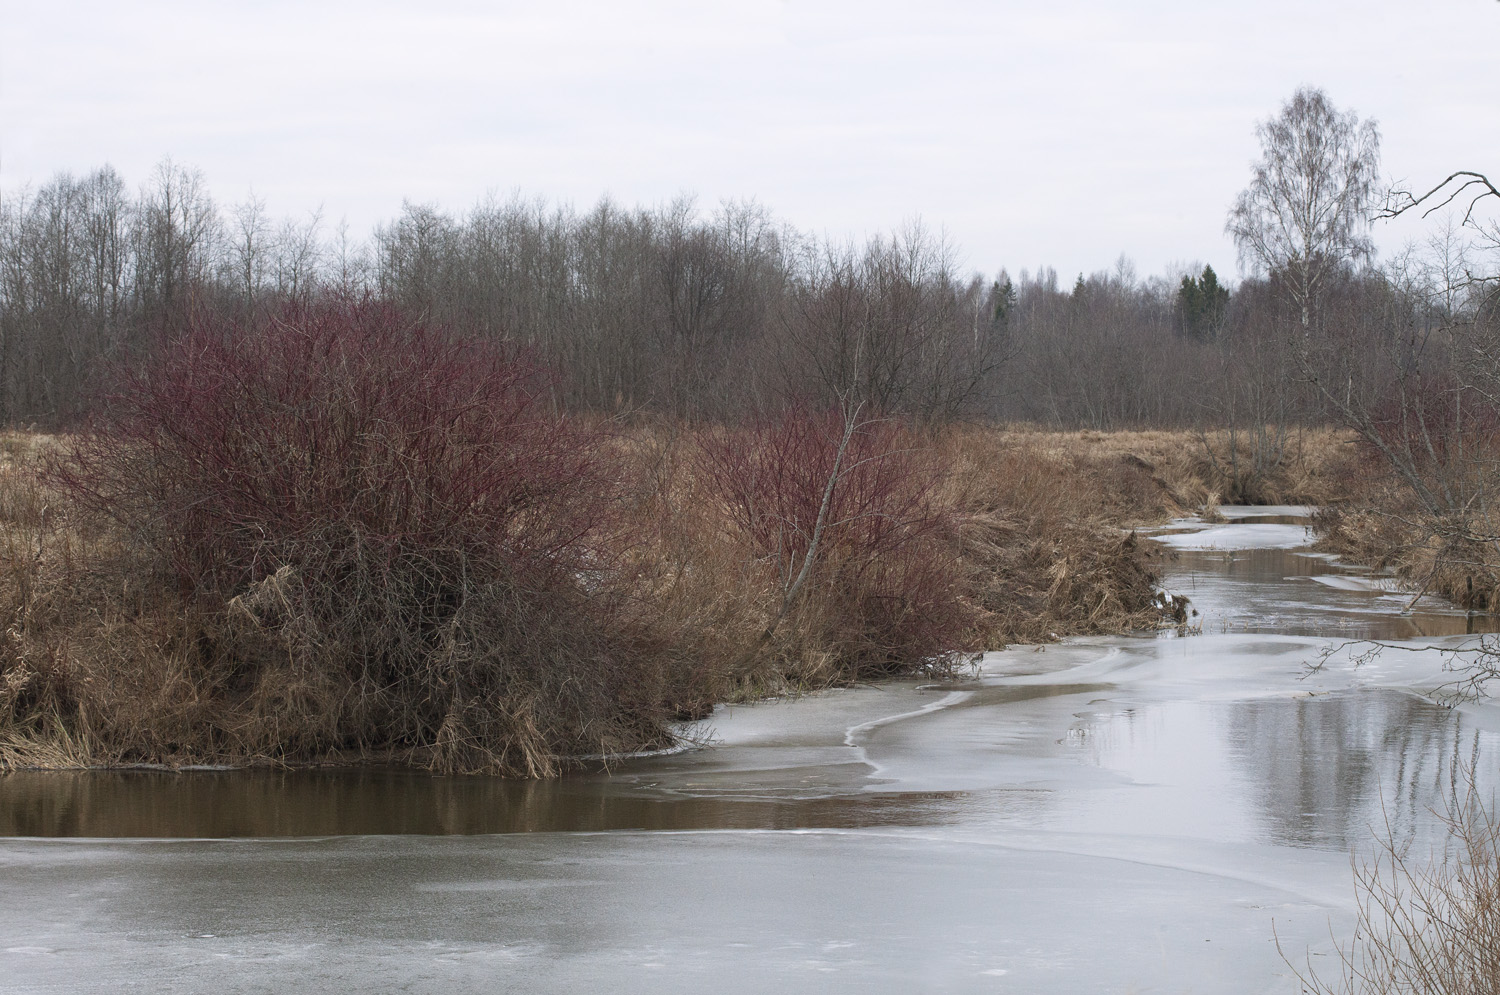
x=703 y=314
x=398 y=543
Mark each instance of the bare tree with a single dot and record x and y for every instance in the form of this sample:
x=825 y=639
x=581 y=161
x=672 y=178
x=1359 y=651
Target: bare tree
x=108 y=217
x=708 y=315
x=177 y=241
x=249 y=236
x=892 y=326
x=349 y=262
x=1306 y=213
x=1472 y=191
x=414 y=258
x=299 y=253
x=1464 y=187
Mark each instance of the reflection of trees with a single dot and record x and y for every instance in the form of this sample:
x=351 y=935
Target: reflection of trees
x=1259 y=590
x=388 y=802
x=1325 y=770
x=258 y=803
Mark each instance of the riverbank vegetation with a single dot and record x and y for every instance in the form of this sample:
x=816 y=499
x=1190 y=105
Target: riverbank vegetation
x=500 y=489
x=344 y=534
x=1426 y=923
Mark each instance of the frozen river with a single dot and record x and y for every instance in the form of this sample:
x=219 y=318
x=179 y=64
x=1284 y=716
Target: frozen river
x=1130 y=814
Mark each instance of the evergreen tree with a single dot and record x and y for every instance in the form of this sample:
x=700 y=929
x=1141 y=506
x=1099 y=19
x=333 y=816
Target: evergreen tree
x=1201 y=306
x=1003 y=296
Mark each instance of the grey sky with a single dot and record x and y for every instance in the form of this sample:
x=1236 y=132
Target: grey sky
x=1062 y=133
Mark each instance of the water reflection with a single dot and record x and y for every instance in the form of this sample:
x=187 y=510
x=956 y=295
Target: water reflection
x=1325 y=771
x=1308 y=771
x=203 y=804
x=1296 y=593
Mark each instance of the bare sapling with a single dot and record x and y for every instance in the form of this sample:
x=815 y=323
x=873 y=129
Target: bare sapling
x=838 y=508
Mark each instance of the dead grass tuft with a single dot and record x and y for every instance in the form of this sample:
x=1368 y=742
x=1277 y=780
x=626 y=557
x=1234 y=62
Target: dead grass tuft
x=1425 y=926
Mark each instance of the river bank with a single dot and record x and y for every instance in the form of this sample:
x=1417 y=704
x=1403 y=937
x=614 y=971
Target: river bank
x=1107 y=813
x=109 y=661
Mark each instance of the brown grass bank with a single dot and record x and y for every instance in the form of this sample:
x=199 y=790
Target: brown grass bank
x=1452 y=551
x=1003 y=535
x=1020 y=536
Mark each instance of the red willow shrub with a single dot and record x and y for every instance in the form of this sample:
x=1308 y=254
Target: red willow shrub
x=882 y=577
x=411 y=550
x=1431 y=421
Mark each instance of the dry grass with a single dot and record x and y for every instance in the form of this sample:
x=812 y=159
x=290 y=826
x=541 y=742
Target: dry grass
x=1390 y=534
x=718 y=597
x=1140 y=476
x=1044 y=519
x=1037 y=525
x=97 y=661
x=104 y=662
x=1382 y=525
x=1426 y=926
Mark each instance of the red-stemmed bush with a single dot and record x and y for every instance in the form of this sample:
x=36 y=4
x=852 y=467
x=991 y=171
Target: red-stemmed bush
x=1432 y=421
x=840 y=512
x=406 y=546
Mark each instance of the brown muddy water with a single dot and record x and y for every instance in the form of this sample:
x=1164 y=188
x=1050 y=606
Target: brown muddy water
x=1103 y=814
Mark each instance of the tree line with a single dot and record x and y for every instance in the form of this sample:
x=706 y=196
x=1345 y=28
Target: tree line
x=705 y=314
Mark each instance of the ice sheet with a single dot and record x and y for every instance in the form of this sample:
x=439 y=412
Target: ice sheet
x=1240 y=536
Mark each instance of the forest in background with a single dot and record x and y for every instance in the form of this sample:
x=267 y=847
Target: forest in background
x=706 y=315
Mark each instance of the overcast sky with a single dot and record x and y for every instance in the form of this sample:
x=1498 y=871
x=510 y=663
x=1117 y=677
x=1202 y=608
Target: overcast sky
x=1061 y=133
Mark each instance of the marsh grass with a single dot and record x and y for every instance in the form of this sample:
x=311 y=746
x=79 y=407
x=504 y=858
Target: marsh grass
x=1383 y=525
x=307 y=640
x=340 y=533
x=1426 y=923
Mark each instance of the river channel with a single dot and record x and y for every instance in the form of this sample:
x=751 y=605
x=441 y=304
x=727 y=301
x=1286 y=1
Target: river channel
x=1121 y=814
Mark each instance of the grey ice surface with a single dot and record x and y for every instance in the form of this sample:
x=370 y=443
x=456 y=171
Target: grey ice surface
x=625 y=912
x=1133 y=814
x=1240 y=536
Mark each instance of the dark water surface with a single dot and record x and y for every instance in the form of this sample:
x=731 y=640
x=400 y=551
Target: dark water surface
x=362 y=802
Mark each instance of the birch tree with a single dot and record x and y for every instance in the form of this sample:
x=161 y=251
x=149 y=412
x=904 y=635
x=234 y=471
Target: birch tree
x=1306 y=214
